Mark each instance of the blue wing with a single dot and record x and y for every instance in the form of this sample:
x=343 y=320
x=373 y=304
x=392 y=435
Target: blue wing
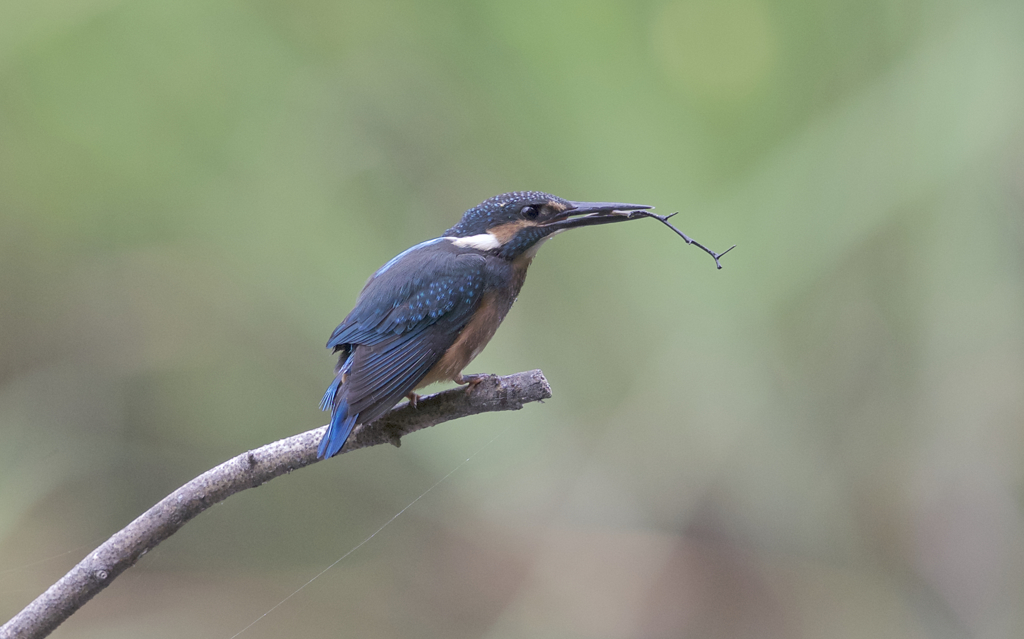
x=408 y=315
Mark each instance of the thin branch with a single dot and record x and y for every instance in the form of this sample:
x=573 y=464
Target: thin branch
x=633 y=215
x=248 y=470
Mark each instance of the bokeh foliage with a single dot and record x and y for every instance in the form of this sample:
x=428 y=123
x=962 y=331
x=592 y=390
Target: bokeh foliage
x=826 y=438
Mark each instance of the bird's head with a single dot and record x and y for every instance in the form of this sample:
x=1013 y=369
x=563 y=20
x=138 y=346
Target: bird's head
x=516 y=223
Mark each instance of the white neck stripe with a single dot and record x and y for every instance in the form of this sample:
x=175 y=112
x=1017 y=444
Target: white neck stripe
x=482 y=242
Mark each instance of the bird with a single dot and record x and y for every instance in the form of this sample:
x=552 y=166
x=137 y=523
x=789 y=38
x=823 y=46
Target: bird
x=428 y=312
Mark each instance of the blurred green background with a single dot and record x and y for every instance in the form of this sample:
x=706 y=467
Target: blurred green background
x=824 y=439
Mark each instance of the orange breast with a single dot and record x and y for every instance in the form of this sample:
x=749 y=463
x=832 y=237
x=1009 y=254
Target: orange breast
x=470 y=341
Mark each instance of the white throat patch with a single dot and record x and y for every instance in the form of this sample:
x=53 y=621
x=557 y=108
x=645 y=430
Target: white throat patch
x=482 y=242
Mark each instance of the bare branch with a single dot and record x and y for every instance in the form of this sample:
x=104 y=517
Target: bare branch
x=248 y=470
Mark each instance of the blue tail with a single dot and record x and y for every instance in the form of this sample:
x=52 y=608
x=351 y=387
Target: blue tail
x=328 y=401
x=340 y=427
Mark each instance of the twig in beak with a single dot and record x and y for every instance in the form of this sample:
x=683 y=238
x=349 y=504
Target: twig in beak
x=689 y=240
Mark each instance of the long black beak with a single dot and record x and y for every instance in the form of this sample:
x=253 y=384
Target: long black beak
x=593 y=213
x=581 y=208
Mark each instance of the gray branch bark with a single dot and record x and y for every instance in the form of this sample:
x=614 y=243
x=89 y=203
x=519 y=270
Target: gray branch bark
x=248 y=470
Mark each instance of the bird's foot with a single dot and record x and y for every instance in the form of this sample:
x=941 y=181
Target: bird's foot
x=413 y=398
x=470 y=380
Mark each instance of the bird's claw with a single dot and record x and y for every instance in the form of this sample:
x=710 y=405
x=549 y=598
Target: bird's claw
x=470 y=381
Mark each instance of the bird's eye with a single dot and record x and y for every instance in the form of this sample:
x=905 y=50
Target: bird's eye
x=530 y=212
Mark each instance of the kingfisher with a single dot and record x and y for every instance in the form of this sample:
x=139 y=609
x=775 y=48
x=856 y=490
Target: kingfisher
x=423 y=316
